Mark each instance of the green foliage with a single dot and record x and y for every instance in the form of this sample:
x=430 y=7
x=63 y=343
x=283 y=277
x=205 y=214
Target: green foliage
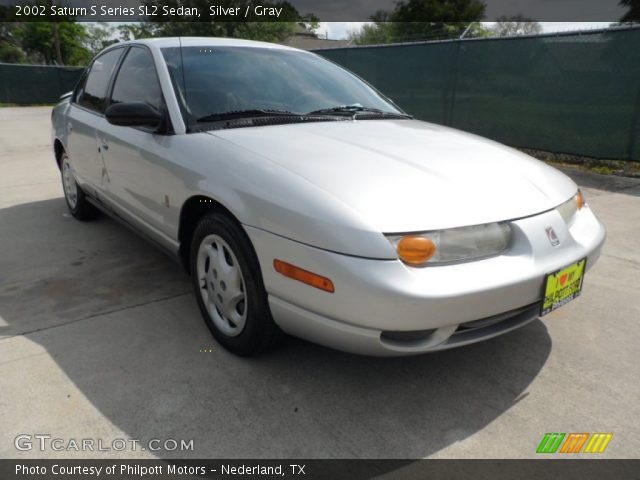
x=477 y=30
x=132 y=31
x=51 y=42
x=431 y=12
x=603 y=170
x=374 y=34
x=99 y=36
x=11 y=53
x=508 y=26
x=633 y=13
x=424 y=19
x=54 y=42
x=71 y=43
x=204 y=27
x=265 y=31
x=415 y=20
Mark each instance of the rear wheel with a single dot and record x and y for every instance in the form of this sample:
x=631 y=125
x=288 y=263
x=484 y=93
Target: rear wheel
x=76 y=200
x=228 y=287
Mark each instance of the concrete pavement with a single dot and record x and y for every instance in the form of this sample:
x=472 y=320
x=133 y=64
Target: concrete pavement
x=100 y=338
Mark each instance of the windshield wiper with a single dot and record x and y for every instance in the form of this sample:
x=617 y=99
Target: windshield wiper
x=351 y=110
x=257 y=117
x=354 y=110
x=253 y=113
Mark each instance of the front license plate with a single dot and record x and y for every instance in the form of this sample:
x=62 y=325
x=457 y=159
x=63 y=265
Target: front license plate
x=562 y=286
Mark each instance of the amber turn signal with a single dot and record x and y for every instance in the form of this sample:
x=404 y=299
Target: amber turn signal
x=580 y=200
x=304 y=276
x=416 y=250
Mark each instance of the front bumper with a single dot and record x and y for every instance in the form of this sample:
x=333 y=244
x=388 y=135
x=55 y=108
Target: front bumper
x=385 y=308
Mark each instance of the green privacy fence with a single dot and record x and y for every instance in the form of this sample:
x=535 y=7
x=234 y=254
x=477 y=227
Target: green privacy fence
x=33 y=84
x=569 y=93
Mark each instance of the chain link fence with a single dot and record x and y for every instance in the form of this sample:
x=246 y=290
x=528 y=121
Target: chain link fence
x=35 y=84
x=575 y=93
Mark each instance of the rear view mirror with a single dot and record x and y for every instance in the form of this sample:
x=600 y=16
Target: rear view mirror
x=133 y=114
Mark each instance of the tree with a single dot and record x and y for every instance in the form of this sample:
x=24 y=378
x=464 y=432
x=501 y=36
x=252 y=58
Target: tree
x=633 y=14
x=99 y=36
x=63 y=41
x=10 y=51
x=132 y=31
x=477 y=30
x=415 y=20
x=11 y=54
x=516 y=25
x=265 y=31
x=373 y=34
x=425 y=19
x=252 y=28
x=54 y=42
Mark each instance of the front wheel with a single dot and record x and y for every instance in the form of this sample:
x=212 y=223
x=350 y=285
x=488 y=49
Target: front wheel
x=76 y=200
x=228 y=287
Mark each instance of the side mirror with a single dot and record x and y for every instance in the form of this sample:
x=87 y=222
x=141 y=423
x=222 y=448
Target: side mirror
x=133 y=114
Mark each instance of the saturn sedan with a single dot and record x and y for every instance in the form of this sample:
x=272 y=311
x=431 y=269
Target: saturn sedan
x=302 y=200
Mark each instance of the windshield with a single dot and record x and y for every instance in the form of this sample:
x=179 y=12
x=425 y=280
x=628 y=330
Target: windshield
x=236 y=79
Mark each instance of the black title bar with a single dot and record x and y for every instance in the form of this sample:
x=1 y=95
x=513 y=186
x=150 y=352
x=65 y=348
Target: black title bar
x=578 y=469
x=326 y=10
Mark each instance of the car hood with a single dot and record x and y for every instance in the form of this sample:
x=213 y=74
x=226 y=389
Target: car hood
x=409 y=175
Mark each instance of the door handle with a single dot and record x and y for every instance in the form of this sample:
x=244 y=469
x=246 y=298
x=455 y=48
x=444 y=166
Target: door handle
x=104 y=147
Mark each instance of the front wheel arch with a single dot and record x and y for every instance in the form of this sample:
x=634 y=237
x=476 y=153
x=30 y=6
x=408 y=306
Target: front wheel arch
x=193 y=209
x=58 y=150
x=256 y=332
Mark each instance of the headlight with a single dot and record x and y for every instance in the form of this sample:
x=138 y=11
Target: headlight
x=452 y=245
x=569 y=208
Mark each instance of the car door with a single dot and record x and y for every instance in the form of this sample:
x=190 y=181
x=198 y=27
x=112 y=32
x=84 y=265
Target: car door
x=137 y=159
x=83 y=117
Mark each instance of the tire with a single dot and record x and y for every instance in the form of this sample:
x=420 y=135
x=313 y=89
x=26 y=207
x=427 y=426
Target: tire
x=228 y=287
x=77 y=202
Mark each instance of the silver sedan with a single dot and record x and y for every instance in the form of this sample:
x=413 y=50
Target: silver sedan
x=300 y=199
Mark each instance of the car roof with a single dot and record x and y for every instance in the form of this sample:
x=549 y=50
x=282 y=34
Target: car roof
x=163 y=42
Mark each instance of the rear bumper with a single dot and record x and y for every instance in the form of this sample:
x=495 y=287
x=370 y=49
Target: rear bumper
x=385 y=308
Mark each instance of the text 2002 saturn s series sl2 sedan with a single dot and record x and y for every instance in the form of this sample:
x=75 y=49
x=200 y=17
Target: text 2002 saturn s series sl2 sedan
x=302 y=200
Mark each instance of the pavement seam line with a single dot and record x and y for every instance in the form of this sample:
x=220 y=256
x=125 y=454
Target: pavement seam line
x=635 y=263
x=94 y=315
